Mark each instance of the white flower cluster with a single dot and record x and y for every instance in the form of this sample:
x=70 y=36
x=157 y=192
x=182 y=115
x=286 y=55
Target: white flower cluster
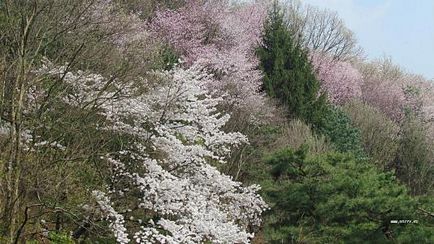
x=84 y=88
x=116 y=220
x=178 y=137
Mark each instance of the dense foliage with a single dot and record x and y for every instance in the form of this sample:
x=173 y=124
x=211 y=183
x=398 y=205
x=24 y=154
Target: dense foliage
x=205 y=121
x=335 y=197
x=288 y=75
x=379 y=134
x=338 y=129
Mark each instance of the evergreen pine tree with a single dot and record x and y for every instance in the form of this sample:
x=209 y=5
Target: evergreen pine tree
x=288 y=74
x=337 y=198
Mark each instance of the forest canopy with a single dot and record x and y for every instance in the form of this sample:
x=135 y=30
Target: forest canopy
x=206 y=121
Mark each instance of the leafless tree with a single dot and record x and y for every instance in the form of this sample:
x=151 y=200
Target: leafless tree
x=321 y=30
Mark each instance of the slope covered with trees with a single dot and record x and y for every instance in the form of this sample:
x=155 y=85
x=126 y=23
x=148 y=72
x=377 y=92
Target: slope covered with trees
x=205 y=121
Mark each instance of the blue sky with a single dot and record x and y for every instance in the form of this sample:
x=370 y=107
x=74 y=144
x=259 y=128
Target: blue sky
x=401 y=29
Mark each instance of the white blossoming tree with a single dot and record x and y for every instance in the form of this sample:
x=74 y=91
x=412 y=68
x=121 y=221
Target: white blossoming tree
x=165 y=185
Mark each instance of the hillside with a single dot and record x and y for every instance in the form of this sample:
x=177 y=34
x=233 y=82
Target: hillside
x=206 y=121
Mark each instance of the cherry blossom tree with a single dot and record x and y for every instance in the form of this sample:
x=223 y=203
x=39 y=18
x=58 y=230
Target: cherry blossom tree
x=394 y=91
x=169 y=169
x=221 y=38
x=339 y=79
x=419 y=96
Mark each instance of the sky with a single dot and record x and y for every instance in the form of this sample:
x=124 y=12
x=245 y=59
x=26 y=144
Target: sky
x=400 y=29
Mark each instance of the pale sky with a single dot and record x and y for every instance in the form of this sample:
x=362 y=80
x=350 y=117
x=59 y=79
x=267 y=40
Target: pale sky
x=401 y=29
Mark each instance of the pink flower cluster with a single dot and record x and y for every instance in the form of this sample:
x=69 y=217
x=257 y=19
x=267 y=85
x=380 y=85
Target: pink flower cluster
x=382 y=85
x=339 y=79
x=221 y=38
x=386 y=95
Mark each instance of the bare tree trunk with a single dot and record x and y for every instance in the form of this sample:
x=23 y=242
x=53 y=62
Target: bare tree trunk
x=12 y=178
x=12 y=167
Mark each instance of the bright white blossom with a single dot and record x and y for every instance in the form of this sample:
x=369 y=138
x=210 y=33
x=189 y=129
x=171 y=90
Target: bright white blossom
x=117 y=222
x=177 y=143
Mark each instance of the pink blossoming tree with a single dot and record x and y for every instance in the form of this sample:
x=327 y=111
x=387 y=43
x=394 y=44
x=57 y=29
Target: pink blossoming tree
x=339 y=79
x=221 y=38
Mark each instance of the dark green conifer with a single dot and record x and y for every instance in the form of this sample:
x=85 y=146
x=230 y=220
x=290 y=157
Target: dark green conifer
x=288 y=74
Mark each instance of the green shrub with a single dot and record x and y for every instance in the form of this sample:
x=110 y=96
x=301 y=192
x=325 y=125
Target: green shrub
x=342 y=134
x=247 y=163
x=379 y=134
x=414 y=163
x=296 y=133
x=60 y=238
